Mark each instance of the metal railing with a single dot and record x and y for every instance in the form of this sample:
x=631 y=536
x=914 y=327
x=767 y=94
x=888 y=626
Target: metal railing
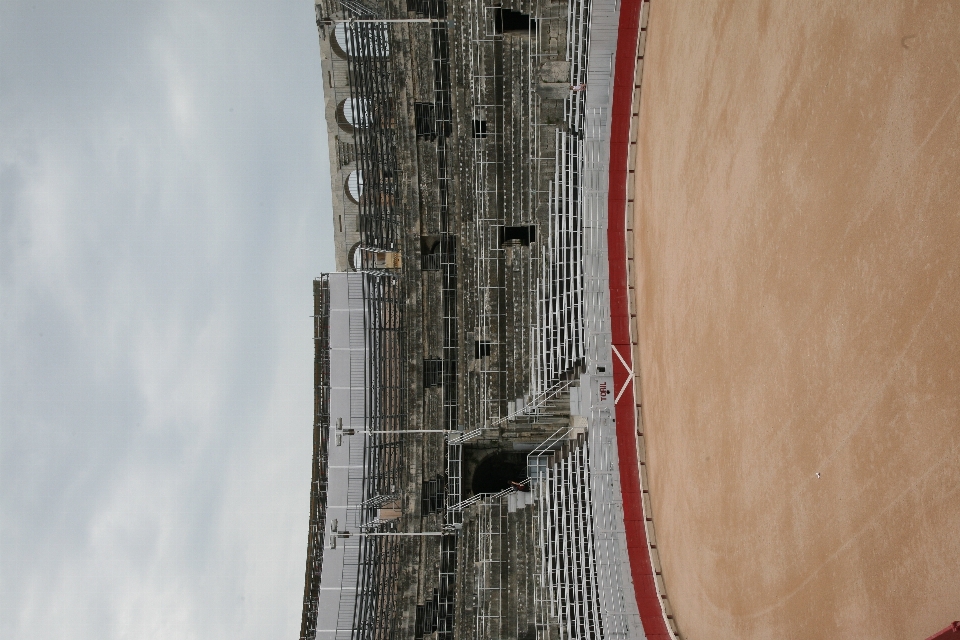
x=568 y=572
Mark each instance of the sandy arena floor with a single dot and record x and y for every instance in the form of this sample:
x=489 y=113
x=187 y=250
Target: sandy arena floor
x=798 y=239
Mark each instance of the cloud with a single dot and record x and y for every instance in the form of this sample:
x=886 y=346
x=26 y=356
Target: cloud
x=163 y=190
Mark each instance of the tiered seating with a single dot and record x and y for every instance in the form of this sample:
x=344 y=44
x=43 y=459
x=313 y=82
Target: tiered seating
x=568 y=598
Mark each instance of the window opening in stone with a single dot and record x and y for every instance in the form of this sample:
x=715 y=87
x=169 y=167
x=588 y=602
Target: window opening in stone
x=479 y=128
x=432 y=372
x=482 y=349
x=345 y=152
x=507 y=21
x=424 y=120
x=433 y=494
x=525 y=234
x=430 y=253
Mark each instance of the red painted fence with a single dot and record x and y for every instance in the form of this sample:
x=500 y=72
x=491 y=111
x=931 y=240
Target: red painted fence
x=644 y=582
x=950 y=633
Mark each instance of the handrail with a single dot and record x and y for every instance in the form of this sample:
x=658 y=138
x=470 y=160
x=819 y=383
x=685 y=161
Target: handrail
x=465 y=436
x=463 y=504
x=538 y=401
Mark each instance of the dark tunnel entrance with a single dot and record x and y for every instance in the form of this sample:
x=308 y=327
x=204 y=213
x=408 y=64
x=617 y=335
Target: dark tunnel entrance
x=497 y=471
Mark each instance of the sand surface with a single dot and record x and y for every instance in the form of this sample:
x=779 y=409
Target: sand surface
x=798 y=275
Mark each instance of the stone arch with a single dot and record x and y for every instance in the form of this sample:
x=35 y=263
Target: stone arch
x=353 y=114
x=338 y=41
x=372 y=40
x=353 y=186
x=496 y=471
x=352 y=256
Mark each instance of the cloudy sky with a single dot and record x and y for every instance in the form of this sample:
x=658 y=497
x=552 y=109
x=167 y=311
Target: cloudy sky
x=163 y=209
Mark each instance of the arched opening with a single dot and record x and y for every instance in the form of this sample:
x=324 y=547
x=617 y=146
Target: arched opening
x=339 y=43
x=369 y=39
x=353 y=259
x=430 y=250
x=354 y=186
x=353 y=113
x=496 y=472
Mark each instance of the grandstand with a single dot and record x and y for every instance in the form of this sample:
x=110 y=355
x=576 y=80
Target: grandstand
x=470 y=434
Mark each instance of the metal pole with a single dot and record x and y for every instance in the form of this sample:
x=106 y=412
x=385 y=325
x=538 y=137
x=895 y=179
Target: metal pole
x=359 y=429
x=346 y=535
x=396 y=431
x=412 y=534
x=329 y=21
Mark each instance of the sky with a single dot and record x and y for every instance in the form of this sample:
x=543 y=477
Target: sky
x=164 y=207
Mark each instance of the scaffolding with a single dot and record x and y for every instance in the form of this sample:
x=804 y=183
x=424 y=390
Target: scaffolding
x=484 y=53
x=440 y=131
x=376 y=610
x=443 y=127
x=374 y=82
x=364 y=79
x=318 y=481
x=514 y=191
x=376 y=615
x=371 y=88
x=533 y=310
x=371 y=383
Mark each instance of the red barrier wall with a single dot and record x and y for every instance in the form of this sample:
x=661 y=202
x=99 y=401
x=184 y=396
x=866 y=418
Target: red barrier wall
x=950 y=633
x=644 y=582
